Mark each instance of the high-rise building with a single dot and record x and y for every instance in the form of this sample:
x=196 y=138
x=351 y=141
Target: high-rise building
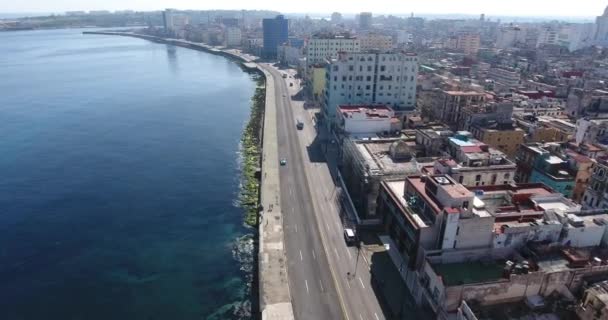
x=175 y=23
x=275 y=33
x=601 y=31
x=469 y=43
x=336 y=17
x=365 y=20
x=327 y=46
x=371 y=78
x=232 y=37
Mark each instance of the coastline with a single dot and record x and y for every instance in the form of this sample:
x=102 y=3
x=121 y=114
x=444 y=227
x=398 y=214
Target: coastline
x=264 y=289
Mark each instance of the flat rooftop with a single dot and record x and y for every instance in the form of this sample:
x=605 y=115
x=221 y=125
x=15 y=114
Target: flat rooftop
x=397 y=187
x=369 y=111
x=454 y=274
x=376 y=156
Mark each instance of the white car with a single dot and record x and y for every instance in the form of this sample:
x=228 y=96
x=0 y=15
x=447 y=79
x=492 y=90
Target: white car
x=349 y=236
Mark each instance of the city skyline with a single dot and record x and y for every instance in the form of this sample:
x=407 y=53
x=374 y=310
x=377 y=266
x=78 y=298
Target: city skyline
x=541 y=8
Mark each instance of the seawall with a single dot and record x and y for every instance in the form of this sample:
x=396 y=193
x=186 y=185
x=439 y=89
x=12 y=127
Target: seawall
x=273 y=284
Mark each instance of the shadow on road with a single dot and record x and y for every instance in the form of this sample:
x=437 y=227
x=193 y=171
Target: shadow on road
x=315 y=150
x=394 y=298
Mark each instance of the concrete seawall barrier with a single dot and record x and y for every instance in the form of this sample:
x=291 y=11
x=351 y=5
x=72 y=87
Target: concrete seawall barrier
x=273 y=283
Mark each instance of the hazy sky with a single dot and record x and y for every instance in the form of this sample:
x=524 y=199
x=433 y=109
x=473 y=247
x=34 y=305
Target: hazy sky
x=489 y=7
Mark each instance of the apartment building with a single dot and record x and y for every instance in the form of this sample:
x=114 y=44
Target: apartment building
x=448 y=106
x=371 y=78
x=374 y=41
x=504 y=137
x=327 y=46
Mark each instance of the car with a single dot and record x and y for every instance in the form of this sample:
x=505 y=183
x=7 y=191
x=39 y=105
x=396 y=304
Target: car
x=349 y=236
x=300 y=125
x=283 y=161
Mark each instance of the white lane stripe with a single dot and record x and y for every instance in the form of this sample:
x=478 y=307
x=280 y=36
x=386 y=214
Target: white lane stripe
x=327 y=226
x=313 y=255
x=301 y=258
x=348 y=283
x=336 y=251
x=296 y=227
x=347 y=251
x=321 y=284
x=360 y=316
x=293 y=210
x=361 y=281
x=376 y=316
x=306 y=281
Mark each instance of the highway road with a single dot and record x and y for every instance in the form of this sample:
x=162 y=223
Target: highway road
x=327 y=280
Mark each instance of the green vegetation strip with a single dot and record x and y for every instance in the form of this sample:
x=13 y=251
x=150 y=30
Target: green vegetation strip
x=251 y=152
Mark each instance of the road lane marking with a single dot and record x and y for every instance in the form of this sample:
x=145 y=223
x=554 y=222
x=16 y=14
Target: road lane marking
x=336 y=251
x=306 y=281
x=361 y=282
x=347 y=251
x=327 y=226
x=376 y=316
x=301 y=258
x=296 y=227
x=360 y=316
x=321 y=284
x=313 y=255
x=293 y=210
x=290 y=192
x=348 y=283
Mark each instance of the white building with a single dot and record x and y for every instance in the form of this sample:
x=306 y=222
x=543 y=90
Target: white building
x=375 y=41
x=505 y=78
x=365 y=20
x=322 y=47
x=577 y=36
x=510 y=36
x=547 y=36
x=232 y=37
x=591 y=130
x=404 y=37
x=371 y=78
x=601 y=31
x=364 y=119
x=289 y=55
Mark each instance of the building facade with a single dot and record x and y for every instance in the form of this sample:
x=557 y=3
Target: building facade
x=276 y=33
x=371 y=78
x=326 y=46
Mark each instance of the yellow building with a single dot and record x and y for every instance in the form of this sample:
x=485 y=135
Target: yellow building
x=317 y=82
x=506 y=140
x=547 y=134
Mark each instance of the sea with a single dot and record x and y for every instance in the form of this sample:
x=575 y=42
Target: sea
x=119 y=180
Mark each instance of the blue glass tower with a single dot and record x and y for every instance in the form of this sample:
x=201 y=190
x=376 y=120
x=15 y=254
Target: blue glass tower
x=275 y=33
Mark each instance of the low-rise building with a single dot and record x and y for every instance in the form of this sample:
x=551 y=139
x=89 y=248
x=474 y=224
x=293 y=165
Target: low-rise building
x=504 y=137
x=448 y=106
x=537 y=164
x=365 y=120
x=374 y=41
x=504 y=79
x=474 y=163
x=594 y=304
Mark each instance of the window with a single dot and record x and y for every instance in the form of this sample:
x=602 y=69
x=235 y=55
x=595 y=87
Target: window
x=465 y=205
x=460 y=179
x=382 y=68
x=507 y=176
x=335 y=68
x=369 y=78
x=367 y=87
x=478 y=177
x=369 y=68
x=351 y=68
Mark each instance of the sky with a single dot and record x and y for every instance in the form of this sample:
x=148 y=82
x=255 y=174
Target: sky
x=558 y=8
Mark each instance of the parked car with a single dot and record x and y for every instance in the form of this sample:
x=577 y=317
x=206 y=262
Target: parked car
x=283 y=161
